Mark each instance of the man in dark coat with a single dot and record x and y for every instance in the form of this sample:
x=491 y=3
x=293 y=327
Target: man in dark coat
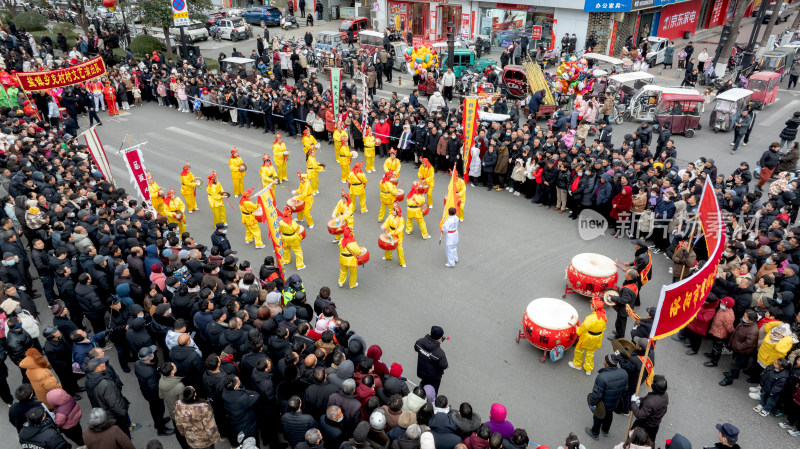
x=346 y=400
x=59 y=354
x=240 y=405
x=743 y=342
x=317 y=394
x=220 y=239
x=650 y=409
x=295 y=422
x=610 y=386
x=147 y=374
x=40 y=432
x=187 y=360
x=261 y=378
x=105 y=393
x=431 y=359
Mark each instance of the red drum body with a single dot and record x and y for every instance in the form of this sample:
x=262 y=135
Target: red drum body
x=302 y=233
x=591 y=274
x=296 y=205
x=550 y=322
x=364 y=257
x=387 y=243
x=400 y=195
x=425 y=210
x=333 y=229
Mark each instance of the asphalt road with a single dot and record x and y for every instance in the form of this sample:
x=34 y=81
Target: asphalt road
x=511 y=252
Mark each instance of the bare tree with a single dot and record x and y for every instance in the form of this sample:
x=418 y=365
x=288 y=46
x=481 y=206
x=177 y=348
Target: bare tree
x=772 y=21
x=10 y=6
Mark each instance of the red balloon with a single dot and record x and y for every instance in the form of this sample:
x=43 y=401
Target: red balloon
x=109 y=3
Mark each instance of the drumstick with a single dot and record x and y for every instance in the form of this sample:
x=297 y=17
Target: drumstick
x=229 y=203
x=632 y=314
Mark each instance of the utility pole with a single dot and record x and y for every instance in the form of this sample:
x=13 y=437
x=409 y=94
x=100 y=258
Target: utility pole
x=451 y=45
x=773 y=20
x=736 y=24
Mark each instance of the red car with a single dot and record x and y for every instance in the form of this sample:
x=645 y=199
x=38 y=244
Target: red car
x=355 y=24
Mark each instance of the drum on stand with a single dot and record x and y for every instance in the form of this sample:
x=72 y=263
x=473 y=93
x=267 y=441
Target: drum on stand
x=387 y=242
x=549 y=322
x=363 y=258
x=296 y=205
x=335 y=227
x=590 y=274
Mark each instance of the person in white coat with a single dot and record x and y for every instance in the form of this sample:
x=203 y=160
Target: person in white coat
x=450 y=229
x=474 y=164
x=436 y=102
x=448 y=82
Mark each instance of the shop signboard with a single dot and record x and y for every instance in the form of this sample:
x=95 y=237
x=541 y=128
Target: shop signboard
x=679 y=18
x=536 y=32
x=623 y=5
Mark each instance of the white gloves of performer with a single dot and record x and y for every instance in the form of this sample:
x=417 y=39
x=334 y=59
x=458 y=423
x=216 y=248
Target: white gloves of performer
x=636 y=399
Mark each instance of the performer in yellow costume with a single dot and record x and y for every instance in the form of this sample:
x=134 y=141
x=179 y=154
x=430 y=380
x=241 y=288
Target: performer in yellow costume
x=394 y=227
x=309 y=141
x=189 y=188
x=348 y=250
x=414 y=203
x=215 y=200
x=176 y=210
x=268 y=173
x=156 y=195
x=388 y=194
x=369 y=149
x=235 y=163
x=281 y=156
x=358 y=181
x=590 y=337
x=306 y=194
x=252 y=231
x=290 y=233
x=344 y=211
x=344 y=158
x=339 y=136
x=461 y=191
x=426 y=173
x=313 y=169
x=392 y=164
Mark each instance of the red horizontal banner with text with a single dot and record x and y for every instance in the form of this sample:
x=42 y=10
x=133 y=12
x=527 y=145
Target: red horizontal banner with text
x=53 y=79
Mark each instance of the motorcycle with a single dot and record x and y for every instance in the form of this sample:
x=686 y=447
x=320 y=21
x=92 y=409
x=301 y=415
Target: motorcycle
x=215 y=33
x=550 y=58
x=289 y=22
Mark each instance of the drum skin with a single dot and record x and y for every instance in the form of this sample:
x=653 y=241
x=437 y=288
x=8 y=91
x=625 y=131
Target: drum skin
x=385 y=242
x=335 y=230
x=364 y=257
x=590 y=274
x=549 y=322
x=296 y=205
x=400 y=195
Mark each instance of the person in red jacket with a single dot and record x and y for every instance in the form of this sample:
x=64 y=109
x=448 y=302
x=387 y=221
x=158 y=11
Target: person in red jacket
x=698 y=328
x=382 y=132
x=620 y=209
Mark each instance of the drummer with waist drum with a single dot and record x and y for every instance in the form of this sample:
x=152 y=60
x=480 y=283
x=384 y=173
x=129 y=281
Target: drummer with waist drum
x=627 y=296
x=642 y=263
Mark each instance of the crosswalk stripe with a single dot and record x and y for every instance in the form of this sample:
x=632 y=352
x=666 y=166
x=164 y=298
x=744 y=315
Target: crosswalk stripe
x=780 y=114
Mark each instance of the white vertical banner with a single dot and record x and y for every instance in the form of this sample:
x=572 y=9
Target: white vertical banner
x=364 y=107
x=98 y=153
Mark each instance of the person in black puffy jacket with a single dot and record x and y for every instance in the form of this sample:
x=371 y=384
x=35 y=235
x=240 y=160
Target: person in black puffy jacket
x=431 y=359
x=610 y=386
x=40 y=432
x=240 y=405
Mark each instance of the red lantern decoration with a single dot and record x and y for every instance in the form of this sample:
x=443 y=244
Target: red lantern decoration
x=110 y=3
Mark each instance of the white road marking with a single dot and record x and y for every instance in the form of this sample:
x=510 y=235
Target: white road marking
x=780 y=114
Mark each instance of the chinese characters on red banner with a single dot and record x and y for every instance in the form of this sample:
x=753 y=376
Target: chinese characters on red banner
x=53 y=79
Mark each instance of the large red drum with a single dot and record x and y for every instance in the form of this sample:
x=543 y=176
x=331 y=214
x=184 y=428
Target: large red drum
x=296 y=205
x=550 y=322
x=302 y=233
x=425 y=210
x=334 y=228
x=422 y=187
x=386 y=242
x=400 y=195
x=364 y=257
x=591 y=274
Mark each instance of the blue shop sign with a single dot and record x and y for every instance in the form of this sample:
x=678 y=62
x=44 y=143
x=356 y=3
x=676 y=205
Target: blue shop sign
x=623 y=5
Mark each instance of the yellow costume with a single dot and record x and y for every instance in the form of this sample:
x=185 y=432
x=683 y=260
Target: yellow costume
x=344 y=211
x=281 y=156
x=155 y=196
x=268 y=174
x=590 y=337
x=461 y=191
x=394 y=227
x=369 y=150
x=414 y=203
x=348 y=250
x=189 y=188
x=252 y=231
x=305 y=193
x=388 y=195
x=313 y=168
x=238 y=176
x=426 y=173
x=358 y=181
x=344 y=160
x=175 y=210
x=215 y=200
x=339 y=136
x=309 y=141
x=392 y=164
x=290 y=233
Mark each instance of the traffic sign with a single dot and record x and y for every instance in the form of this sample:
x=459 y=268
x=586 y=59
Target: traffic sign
x=180 y=13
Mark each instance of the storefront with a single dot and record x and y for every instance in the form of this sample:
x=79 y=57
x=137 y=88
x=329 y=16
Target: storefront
x=506 y=23
x=720 y=12
x=427 y=20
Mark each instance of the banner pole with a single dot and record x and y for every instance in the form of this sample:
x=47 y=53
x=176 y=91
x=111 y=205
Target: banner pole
x=639 y=383
x=689 y=242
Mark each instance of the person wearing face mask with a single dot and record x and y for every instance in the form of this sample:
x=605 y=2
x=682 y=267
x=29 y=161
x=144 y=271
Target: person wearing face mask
x=721 y=328
x=382 y=132
x=743 y=341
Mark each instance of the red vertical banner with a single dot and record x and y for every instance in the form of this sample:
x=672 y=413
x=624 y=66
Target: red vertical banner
x=680 y=301
x=612 y=38
x=472 y=29
x=135 y=164
x=470 y=125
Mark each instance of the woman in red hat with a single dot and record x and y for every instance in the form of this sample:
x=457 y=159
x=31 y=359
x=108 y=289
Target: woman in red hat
x=235 y=163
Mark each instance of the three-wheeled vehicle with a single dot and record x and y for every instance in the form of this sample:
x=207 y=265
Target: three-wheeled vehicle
x=399 y=48
x=765 y=88
x=778 y=60
x=370 y=41
x=328 y=40
x=681 y=110
x=515 y=81
x=607 y=63
x=626 y=86
x=462 y=59
x=729 y=104
x=239 y=66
